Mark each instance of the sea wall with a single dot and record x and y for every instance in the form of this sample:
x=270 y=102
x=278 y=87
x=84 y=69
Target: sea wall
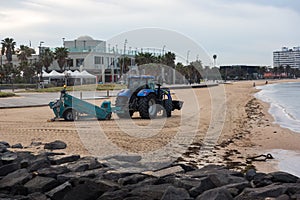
x=53 y=175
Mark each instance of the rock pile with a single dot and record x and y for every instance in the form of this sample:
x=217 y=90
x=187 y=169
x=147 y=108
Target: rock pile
x=50 y=175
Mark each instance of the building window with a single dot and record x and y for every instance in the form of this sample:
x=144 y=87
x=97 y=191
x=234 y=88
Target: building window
x=99 y=60
x=79 y=62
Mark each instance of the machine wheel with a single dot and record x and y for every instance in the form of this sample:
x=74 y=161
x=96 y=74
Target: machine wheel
x=148 y=107
x=168 y=106
x=70 y=115
x=122 y=102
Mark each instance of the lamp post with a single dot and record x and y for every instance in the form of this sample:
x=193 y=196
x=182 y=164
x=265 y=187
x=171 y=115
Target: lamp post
x=40 y=57
x=63 y=39
x=123 y=64
x=163 y=50
x=187 y=57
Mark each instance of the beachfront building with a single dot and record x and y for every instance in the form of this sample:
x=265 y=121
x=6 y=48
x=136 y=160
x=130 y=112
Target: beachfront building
x=241 y=72
x=86 y=53
x=287 y=57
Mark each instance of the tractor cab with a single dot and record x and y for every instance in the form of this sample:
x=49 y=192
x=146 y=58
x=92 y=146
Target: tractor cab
x=135 y=82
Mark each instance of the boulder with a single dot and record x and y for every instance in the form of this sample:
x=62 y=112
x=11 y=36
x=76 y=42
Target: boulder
x=37 y=196
x=261 y=180
x=59 y=192
x=57 y=144
x=85 y=163
x=8 y=157
x=175 y=193
x=250 y=174
x=216 y=194
x=40 y=184
x=149 y=191
x=3 y=148
x=38 y=162
x=60 y=159
x=132 y=179
x=17 y=146
x=77 y=175
x=114 y=195
x=204 y=184
x=17 y=177
x=85 y=191
x=53 y=171
x=6 y=169
x=283 y=177
x=273 y=190
x=6 y=144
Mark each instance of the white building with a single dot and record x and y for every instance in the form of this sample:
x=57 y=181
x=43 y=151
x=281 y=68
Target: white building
x=85 y=53
x=287 y=57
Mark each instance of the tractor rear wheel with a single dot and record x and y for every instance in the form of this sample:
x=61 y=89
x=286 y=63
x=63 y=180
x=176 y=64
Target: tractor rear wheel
x=148 y=107
x=70 y=115
x=168 y=106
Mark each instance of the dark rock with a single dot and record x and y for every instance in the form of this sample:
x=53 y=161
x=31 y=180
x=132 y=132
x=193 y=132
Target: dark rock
x=59 y=192
x=60 y=159
x=250 y=174
x=115 y=175
x=236 y=188
x=8 y=157
x=86 y=191
x=5 y=144
x=106 y=184
x=17 y=177
x=283 y=177
x=175 y=193
x=185 y=182
x=204 y=184
x=76 y=175
x=57 y=144
x=149 y=191
x=53 y=171
x=35 y=144
x=124 y=158
x=39 y=162
x=18 y=189
x=86 y=163
x=17 y=146
x=132 y=179
x=283 y=197
x=220 y=179
x=3 y=148
x=6 y=169
x=114 y=195
x=274 y=190
x=37 y=196
x=212 y=169
x=261 y=180
x=166 y=171
x=215 y=194
x=186 y=167
x=40 y=184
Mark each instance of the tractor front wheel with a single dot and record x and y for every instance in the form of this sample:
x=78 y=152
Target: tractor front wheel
x=148 y=107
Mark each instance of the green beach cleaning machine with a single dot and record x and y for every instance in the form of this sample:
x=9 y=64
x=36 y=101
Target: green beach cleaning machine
x=140 y=96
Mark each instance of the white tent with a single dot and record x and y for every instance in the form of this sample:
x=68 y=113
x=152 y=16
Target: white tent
x=85 y=74
x=55 y=75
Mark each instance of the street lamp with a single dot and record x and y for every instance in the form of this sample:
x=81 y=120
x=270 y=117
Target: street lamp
x=187 y=57
x=63 y=39
x=40 y=55
x=123 y=58
x=163 y=49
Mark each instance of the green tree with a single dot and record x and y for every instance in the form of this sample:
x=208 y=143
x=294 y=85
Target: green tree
x=8 y=48
x=145 y=58
x=47 y=59
x=61 y=54
x=24 y=52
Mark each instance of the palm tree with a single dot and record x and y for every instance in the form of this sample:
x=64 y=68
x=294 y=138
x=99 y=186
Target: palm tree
x=214 y=57
x=24 y=52
x=61 y=54
x=47 y=58
x=8 y=48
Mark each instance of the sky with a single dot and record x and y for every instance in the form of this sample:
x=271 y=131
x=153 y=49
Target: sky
x=237 y=31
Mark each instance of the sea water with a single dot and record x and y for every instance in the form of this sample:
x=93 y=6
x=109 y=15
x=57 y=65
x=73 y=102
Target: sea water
x=284 y=103
x=285 y=108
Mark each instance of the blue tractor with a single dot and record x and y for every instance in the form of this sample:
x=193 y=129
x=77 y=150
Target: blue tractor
x=144 y=97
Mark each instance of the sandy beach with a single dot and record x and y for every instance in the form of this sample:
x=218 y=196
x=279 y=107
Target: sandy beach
x=228 y=129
